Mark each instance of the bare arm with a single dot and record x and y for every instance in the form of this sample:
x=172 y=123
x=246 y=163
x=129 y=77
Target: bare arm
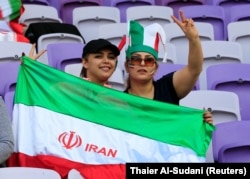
x=185 y=79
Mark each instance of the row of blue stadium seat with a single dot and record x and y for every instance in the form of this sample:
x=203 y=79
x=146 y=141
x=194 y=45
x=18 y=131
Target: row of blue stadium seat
x=215 y=52
x=226 y=11
x=216 y=15
x=93 y=26
x=175 y=4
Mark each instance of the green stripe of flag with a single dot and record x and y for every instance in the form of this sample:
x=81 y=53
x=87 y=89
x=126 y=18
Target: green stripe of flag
x=41 y=85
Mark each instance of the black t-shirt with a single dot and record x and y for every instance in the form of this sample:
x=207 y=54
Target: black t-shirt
x=164 y=90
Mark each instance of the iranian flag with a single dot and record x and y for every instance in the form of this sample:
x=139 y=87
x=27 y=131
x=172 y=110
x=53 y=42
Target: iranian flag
x=10 y=11
x=63 y=122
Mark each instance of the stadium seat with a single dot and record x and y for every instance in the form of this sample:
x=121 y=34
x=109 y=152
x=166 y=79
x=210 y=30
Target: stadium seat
x=177 y=4
x=88 y=22
x=44 y=33
x=12 y=51
x=150 y=14
x=117 y=80
x=37 y=2
x=227 y=5
x=55 y=4
x=46 y=39
x=231 y=143
x=8 y=76
x=69 y=53
x=28 y=173
x=219 y=52
x=67 y=6
x=74 y=67
x=74 y=174
x=39 y=13
x=240 y=13
x=122 y=5
x=240 y=32
x=223 y=105
x=35 y=30
x=171 y=53
x=165 y=68
x=234 y=77
x=106 y=31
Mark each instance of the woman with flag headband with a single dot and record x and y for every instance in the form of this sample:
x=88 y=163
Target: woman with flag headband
x=141 y=63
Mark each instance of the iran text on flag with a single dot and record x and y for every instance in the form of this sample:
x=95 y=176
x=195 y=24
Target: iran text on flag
x=62 y=122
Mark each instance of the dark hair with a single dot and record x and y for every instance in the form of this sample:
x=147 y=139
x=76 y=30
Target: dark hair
x=83 y=73
x=128 y=78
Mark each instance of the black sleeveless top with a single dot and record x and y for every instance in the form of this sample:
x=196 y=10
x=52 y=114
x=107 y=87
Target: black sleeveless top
x=164 y=90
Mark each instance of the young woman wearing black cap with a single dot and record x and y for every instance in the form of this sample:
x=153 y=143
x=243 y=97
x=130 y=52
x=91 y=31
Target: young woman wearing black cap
x=99 y=60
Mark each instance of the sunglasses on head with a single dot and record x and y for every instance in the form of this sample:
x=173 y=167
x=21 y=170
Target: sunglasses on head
x=137 y=61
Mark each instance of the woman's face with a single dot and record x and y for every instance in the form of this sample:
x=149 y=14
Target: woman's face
x=141 y=66
x=100 y=66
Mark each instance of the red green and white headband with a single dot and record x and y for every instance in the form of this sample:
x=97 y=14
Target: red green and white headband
x=145 y=39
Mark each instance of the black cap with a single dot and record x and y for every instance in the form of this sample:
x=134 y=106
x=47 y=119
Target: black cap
x=95 y=46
